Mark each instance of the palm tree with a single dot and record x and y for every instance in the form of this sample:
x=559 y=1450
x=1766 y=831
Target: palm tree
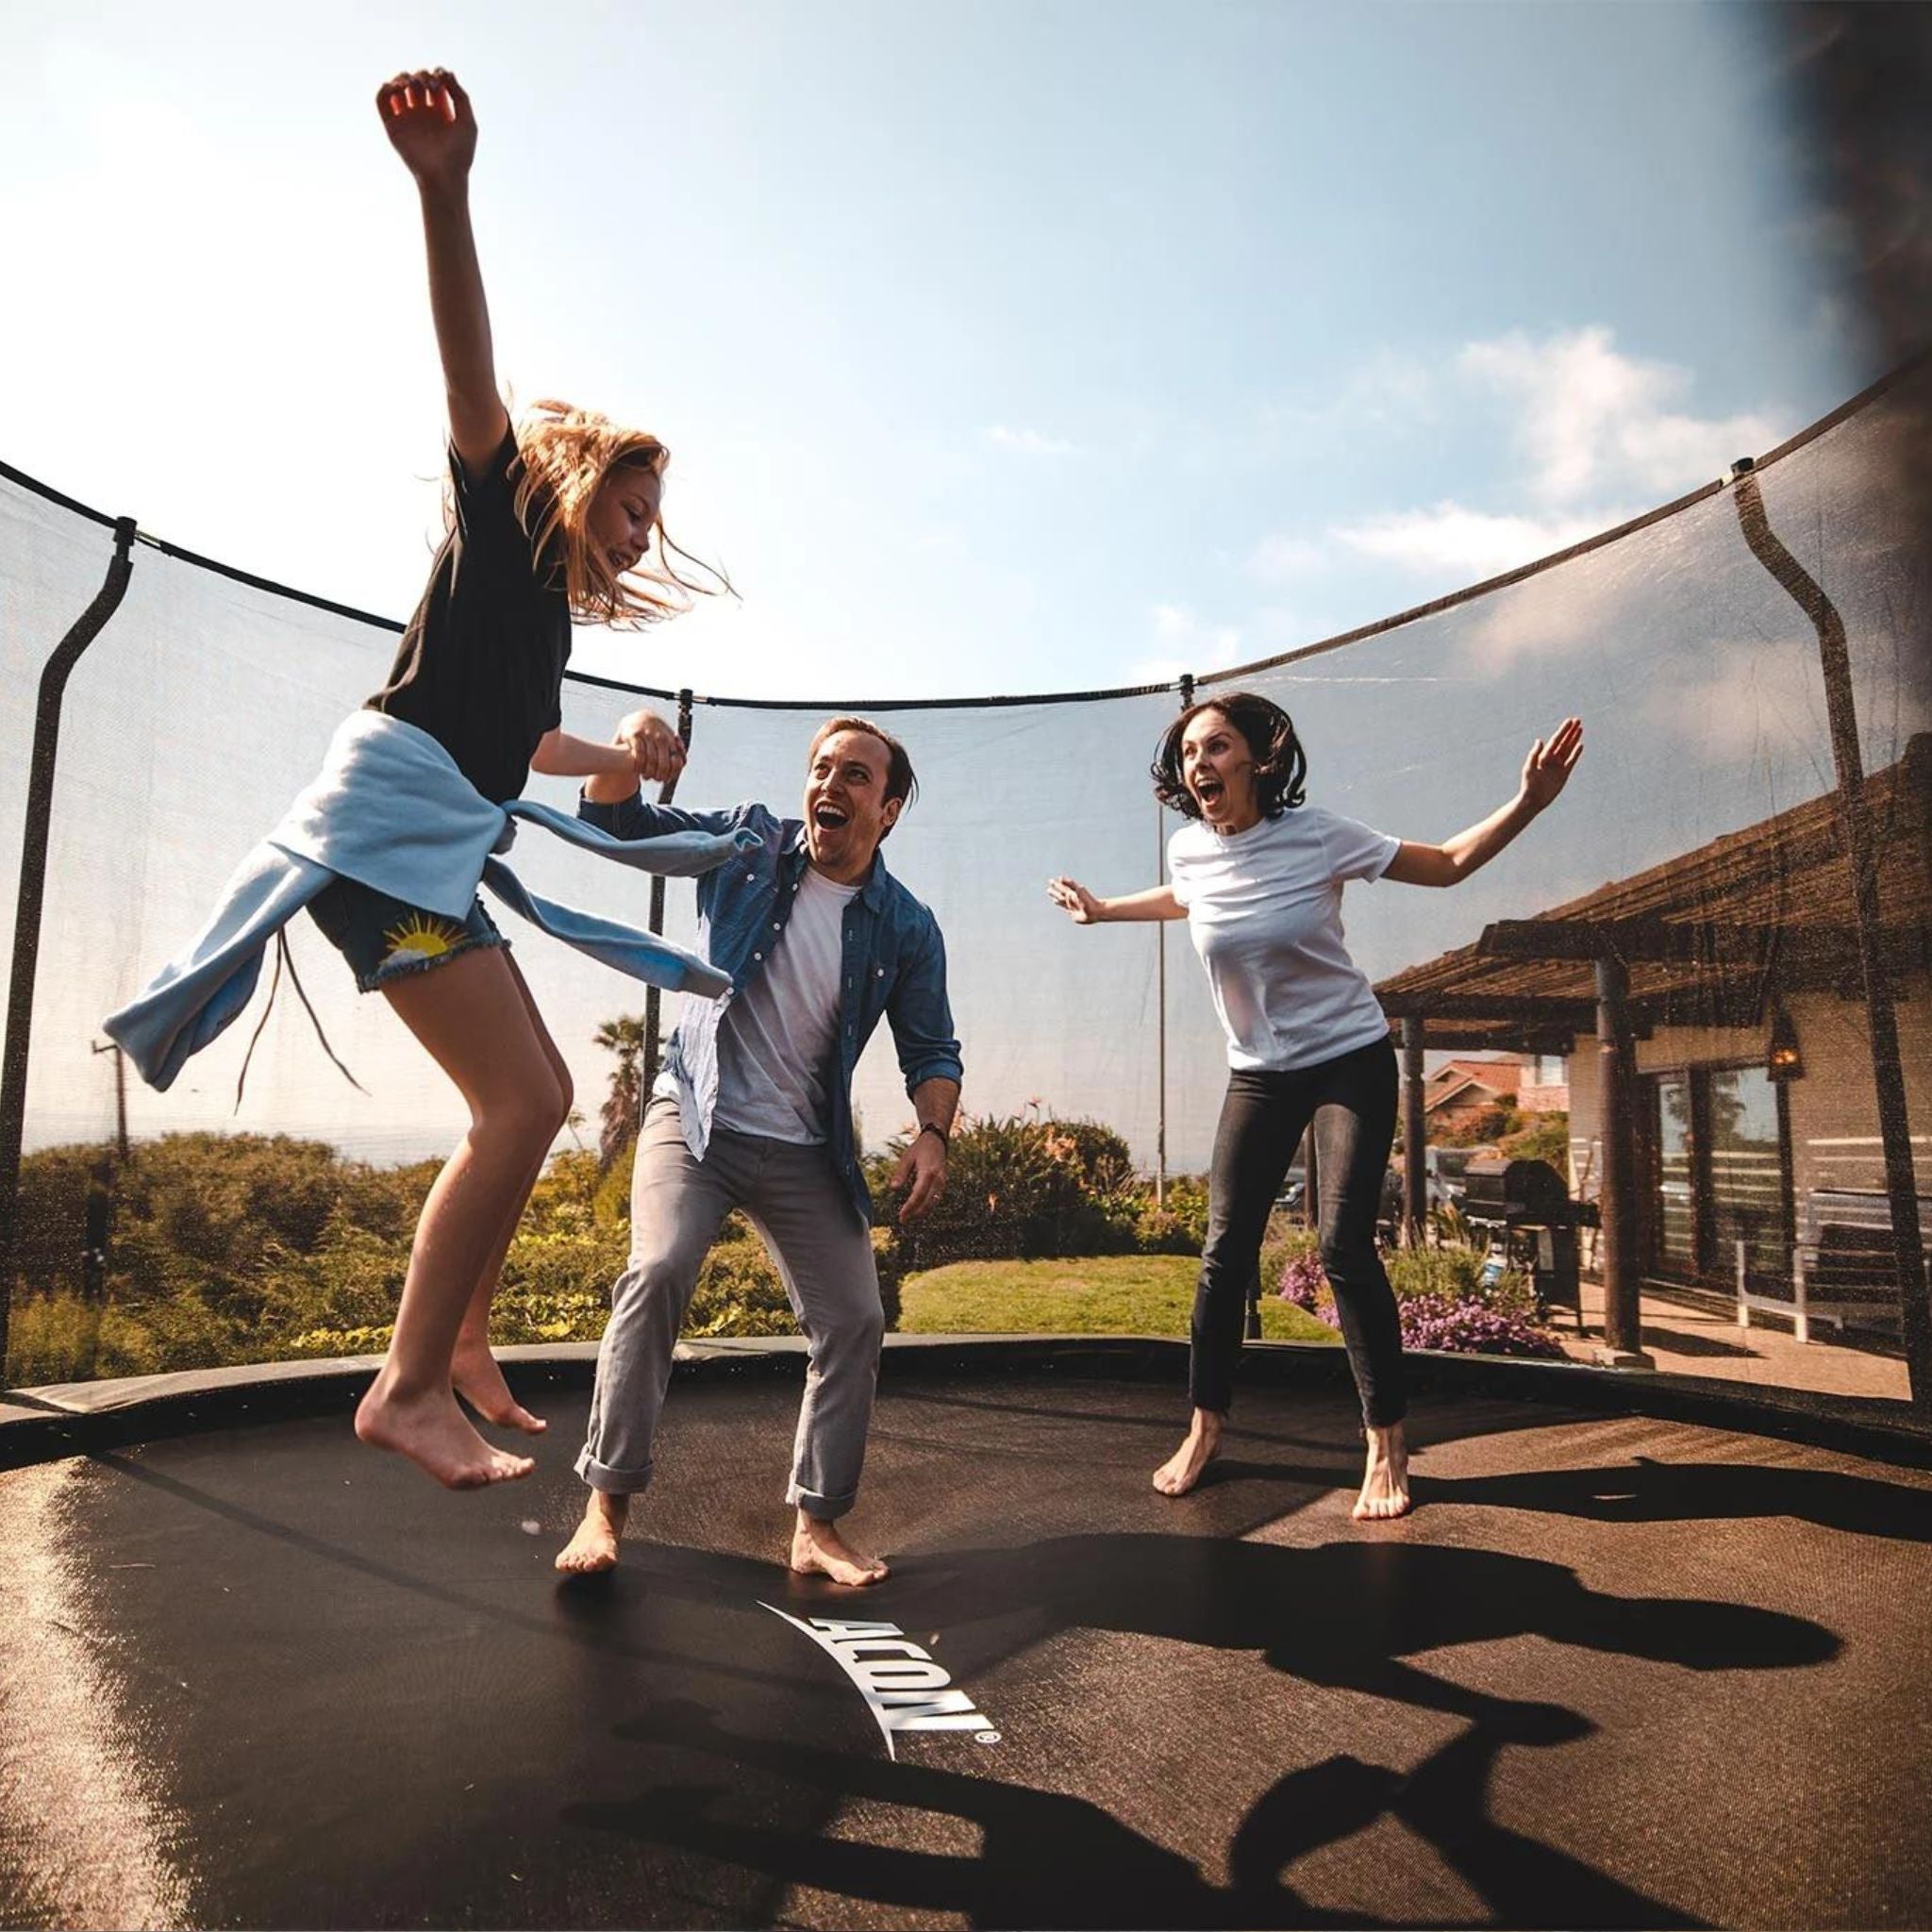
x=617 y=1119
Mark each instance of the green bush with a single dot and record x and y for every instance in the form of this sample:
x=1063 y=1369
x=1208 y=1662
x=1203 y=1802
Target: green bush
x=241 y=1248
x=51 y=1338
x=1546 y=1138
x=1179 y=1225
x=1027 y=1187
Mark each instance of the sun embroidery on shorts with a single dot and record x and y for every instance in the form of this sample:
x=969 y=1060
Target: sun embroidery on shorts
x=420 y=938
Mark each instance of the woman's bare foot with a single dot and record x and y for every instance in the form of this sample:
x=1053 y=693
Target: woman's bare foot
x=1385 y=1482
x=477 y=1375
x=819 y=1550
x=1182 y=1470
x=435 y=1435
x=593 y=1549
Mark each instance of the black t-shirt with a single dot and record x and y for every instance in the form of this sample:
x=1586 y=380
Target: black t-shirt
x=480 y=667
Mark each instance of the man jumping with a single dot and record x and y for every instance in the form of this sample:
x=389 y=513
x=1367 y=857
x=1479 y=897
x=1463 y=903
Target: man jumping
x=753 y=1110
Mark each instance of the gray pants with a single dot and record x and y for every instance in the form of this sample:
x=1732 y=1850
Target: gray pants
x=805 y=1218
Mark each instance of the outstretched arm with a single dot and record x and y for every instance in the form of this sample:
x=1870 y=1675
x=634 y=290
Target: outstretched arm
x=1089 y=908
x=643 y=746
x=430 y=124
x=1545 y=772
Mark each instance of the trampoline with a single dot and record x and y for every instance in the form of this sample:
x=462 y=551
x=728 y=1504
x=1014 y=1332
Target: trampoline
x=1618 y=1669
x=1652 y=1650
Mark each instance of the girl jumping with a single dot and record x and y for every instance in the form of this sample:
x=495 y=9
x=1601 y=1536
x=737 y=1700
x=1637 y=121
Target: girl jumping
x=555 y=520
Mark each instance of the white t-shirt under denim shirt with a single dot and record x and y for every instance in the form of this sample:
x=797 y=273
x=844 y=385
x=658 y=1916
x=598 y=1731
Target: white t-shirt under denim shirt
x=1264 y=910
x=775 y=1043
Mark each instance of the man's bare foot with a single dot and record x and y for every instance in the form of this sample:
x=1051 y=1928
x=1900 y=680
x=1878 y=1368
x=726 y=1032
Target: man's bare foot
x=477 y=1375
x=435 y=1435
x=593 y=1549
x=1182 y=1470
x=819 y=1550
x=1385 y=1482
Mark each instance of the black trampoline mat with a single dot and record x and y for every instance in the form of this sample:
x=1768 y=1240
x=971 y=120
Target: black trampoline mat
x=1613 y=1672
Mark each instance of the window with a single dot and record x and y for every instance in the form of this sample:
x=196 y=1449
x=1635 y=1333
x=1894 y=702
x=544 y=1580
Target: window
x=1720 y=1173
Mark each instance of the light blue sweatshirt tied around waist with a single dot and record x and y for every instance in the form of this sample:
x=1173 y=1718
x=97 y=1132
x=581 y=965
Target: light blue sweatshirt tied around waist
x=390 y=809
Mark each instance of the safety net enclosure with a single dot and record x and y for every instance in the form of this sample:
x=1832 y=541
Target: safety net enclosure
x=1700 y=853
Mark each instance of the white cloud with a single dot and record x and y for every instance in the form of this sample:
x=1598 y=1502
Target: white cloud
x=1030 y=443
x=1155 y=670
x=1206 y=646
x=1594 y=422
x=1548 y=615
x=1760 y=699
x=1452 y=540
x=1594 y=437
x=1277 y=559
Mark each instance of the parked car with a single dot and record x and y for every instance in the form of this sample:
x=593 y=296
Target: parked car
x=1445 y=1168
x=1292 y=1198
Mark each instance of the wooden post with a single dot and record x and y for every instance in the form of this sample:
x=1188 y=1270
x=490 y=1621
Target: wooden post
x=1617 y=1191
x=1415 y=1170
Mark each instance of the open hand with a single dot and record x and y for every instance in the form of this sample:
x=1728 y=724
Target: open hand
x=1074 y=900
x=655 y=750
x=431 y=122
x=1547 y=768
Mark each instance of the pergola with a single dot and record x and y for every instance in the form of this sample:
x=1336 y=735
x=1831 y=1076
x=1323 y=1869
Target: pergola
x=1710 y=937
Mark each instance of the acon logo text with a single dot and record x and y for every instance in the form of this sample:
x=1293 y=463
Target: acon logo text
x=903 y=1687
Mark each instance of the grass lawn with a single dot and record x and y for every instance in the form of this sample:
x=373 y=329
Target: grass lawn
x=1106 y=1294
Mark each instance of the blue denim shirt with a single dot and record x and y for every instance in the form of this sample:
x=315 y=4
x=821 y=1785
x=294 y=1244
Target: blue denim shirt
x=894 y=965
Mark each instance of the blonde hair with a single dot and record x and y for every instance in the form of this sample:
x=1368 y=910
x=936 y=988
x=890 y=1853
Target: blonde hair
x=565 y=456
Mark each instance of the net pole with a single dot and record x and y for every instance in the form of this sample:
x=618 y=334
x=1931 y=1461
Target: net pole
x=1187 y=697
x=35 y=832
x=1861 y=852
x=653 y=996
x=1161 y=1020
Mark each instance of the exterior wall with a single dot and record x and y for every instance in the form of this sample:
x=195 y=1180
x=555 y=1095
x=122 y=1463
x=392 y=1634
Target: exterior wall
x=1550 y=1099
x=1834 y=1116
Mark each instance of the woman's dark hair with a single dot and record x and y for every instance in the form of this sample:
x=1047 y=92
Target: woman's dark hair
x=1281 y=766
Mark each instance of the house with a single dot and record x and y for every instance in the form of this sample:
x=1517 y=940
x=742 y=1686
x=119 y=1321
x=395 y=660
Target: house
x=1741 y=1088
x=1460 y=1091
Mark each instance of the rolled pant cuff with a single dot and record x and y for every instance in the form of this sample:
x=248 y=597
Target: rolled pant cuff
x=609 y=1481
x=825 y=1507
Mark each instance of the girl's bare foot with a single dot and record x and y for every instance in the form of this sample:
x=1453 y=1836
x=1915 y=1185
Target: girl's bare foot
x=819 y=1550
x=593 y=1549
x=1385 y=1482
x=477 y=1375
x=433 y=1433
x=1182 y=1470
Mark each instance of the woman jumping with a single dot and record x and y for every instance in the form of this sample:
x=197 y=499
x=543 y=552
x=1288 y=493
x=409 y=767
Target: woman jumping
x=1257 y=875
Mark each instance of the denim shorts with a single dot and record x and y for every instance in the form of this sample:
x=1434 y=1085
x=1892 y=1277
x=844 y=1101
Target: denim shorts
x=384 y=938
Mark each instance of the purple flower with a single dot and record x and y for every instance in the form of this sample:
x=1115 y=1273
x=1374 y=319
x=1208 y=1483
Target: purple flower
x=1433 y=1322
x=1304 y=1284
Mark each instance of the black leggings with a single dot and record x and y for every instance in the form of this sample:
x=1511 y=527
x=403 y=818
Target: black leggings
x=1351 y=1100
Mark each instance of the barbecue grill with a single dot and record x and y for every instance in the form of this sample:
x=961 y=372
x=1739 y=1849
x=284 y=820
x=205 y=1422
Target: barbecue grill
x=1531 y=1222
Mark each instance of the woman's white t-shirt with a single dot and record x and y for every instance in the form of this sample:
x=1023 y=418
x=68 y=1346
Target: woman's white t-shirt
x=1264 y=910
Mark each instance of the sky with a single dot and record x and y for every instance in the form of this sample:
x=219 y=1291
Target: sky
x=1000 y=348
